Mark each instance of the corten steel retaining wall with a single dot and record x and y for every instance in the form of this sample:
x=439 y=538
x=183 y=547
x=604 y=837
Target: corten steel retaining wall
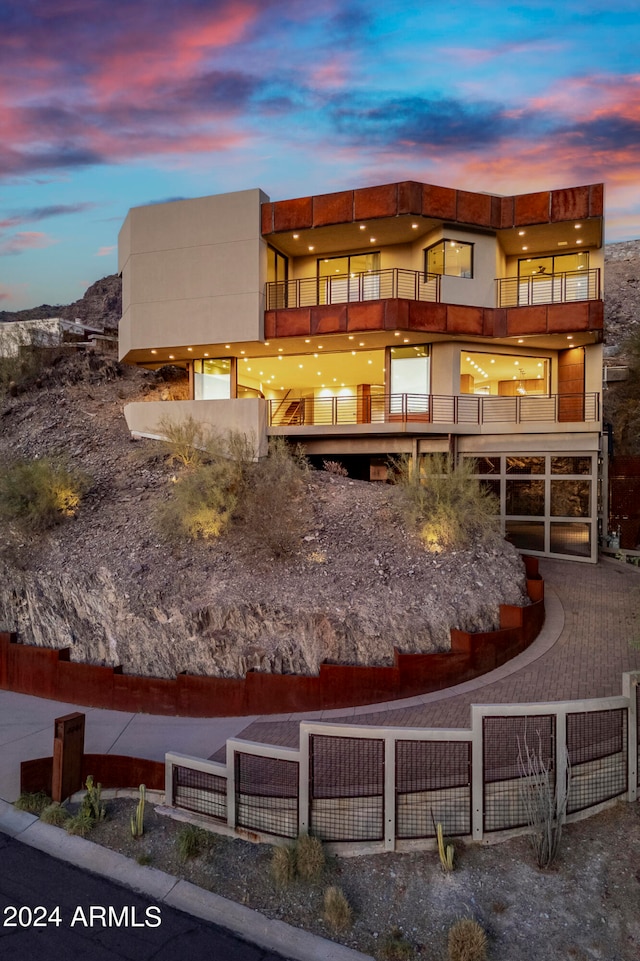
x=109 y=770
x=49 y=673
x=375 y=789
x=624 y=500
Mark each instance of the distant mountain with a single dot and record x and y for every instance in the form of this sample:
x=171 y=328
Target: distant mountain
x=100 y=307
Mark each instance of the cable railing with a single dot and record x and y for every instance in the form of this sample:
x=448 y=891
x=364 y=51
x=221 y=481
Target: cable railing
x=394 y=282
x=432 y=409
x=541 y=288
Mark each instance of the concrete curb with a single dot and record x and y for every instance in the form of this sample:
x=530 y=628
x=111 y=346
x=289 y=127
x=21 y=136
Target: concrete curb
x=242 y=921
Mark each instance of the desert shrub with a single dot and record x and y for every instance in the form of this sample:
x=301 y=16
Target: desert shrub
x=193 y=841
x=446 y=504
x=467 y=941
x=335 y=467
x=309 y=858
x=395 y=947
x=144 y=859
x=33 y=802
x=545 y=810
x=80 y=824
x=202 y=502
x=283 y=865
x=186 y=440
x=54 y=814
x=38 y=494
x=337 y=911
x=22 y=360
x=274 y=506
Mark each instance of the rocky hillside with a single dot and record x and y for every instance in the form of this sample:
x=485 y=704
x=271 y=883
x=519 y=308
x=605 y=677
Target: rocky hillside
x=106 y=585
x=100 y=307
x=622 y=297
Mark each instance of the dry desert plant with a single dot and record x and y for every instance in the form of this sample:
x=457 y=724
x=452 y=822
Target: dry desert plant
x=467 y=941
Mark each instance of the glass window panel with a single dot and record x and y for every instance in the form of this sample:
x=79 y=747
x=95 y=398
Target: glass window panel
x=212 y=379
x=525 y=465
x=525 y=497
x=570 y=498
x=525 y=535
x=572 y=539
x=451 y=257
x=503 y=375
x=485 y=465
x=492 y=487
x=570 y=465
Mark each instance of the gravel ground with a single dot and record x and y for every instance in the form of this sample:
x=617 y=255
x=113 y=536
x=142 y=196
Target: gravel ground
x=586 y=907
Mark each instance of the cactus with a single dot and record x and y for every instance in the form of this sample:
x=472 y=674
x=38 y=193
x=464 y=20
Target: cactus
x=446 y=854
x=92 y=805
x=137 y=819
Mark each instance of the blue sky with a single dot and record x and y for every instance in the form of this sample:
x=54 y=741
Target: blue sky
x=108 y=105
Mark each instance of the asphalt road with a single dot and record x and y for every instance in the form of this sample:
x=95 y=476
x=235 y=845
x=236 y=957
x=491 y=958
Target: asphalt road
x=53 y=911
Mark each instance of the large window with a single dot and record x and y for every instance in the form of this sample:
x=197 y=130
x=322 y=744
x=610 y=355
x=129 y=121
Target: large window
x=547 y=501
x=410 y=378
x=503 y=375
x=212 y=379
x=277 y=273
x=451 y=258
x=353 y=277
x=553 y=279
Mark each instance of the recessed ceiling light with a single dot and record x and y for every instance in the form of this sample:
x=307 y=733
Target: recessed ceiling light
x=312 y=248
x=525 y=248
x=350 y=336
x=562 y=243
x=372 y=240
x=206 y=354
x=307 y=341
x=578 y=241
x=227 y=346
x=406 y=340
x=191 y=348
x=295 y=236
x=492 y=361
x=353 y=353
x=570 y=337
x=171 y=357
x=577 y=226
x=362 y=227
x=300 y=366
x=319 y=346
x=414 y=226
x=369 y=361
x=154 y=351
x=521 y=341
x=397 y=333
x=361 y=343
x=521 y=233
x=266 y=343
x=248 y=368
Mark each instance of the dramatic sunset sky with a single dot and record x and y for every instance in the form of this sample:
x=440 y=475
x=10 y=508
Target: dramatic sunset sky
x=108 y=104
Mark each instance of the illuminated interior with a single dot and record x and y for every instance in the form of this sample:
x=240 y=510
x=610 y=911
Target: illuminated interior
x=503 y=375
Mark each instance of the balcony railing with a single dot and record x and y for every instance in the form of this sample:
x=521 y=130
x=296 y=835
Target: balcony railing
x=562 y=288
x=354 y=288
x=468 y=409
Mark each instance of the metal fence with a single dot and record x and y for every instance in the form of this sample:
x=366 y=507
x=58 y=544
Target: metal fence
x=391 y=786
x=541 y=288
x=391 y=283
x=432 y=409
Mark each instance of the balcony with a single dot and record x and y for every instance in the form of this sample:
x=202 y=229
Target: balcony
x=395 y=282
x=467 y=410
x=562 y=288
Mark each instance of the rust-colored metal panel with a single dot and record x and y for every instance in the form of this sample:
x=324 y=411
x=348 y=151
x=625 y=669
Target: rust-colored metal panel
x=6 y=638
x=507 y=213
x=35 y=776
x=371 y=202
x=95 y=684
x=494 y=322
x=333 y=208
x=344 y=685
x=68 y=749
x=409 y=197
x=596 y=200
x=464 y=320
x=596 y=315
x=329 y=319
x=422 y=673
x=428 y=317
x=473 y=208
x=32 y=670
x=210 y=696
x=266 y=218
x=144 y=695
x=396 y=314
x=438 y=202
x=293 y=214
x=510 y=616
x=368 y=316
x=118 y=770
x=567 y=317
x=280 y=693
x=496 y=212
x=531 y=209
x=270 y=321
x=571 y=203
x=526 y=320
x=295 y=322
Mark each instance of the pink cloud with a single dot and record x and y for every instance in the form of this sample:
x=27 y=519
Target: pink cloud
x=105 y=251
x=25 y=240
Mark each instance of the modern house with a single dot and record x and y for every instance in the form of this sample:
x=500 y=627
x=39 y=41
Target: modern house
x=399 y=318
